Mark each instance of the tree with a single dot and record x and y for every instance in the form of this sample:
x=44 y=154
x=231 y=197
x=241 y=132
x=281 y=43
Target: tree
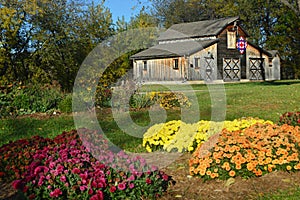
x=48 y=40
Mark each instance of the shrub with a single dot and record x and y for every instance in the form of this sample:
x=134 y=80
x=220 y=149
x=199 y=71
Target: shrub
x=6 y=98
x=35 y=98
x=169 y=100
x=65 y=105
x=166 y=100
x=139 y=101
x=179 y=136
x=290 y=118
x=254 y=151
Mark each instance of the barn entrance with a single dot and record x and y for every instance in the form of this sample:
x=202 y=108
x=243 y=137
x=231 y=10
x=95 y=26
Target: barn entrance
x=231 y=69
x=209 y=69
x=256 y=69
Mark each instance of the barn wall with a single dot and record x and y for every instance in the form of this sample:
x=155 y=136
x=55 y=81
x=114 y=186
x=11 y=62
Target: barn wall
x=160 y=70
x=253 y=52
x=195 y=73
x=275 y=68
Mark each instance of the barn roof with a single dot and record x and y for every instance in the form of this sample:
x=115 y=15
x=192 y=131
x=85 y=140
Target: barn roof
x=204 y=28
x=168 y=50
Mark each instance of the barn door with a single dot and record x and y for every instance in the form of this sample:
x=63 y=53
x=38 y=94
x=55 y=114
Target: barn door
x=256 y=68
x=209 y=69
x=231 y=69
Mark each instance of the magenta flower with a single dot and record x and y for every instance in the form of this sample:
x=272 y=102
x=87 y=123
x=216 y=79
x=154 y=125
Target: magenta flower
x=63 y=179
x=98 y=196
x=40 y=169
x=76 y=171
x=121 y=186
x=55 y=193
x=83 y=187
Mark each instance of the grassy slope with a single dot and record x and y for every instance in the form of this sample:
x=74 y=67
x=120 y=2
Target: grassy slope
x=266 y=100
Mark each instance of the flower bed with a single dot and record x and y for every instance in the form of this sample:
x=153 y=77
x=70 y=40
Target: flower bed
x=64 y=168
x=254 y=151
x=179 y=136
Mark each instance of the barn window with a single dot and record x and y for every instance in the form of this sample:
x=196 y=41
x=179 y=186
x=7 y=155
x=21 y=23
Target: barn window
x=231 y=39
x=175 y=66
x=197 y=62
x=145 y=65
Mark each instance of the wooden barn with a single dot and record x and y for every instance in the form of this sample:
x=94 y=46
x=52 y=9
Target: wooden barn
x=206 y=50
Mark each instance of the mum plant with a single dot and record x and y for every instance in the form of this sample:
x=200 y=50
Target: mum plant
x=68 y=170
x=254 y=151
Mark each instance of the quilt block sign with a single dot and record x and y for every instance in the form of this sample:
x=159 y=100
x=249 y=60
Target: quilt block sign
x=241 y=45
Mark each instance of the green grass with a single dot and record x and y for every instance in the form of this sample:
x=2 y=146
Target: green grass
x=289 y=194
x=266 y=100
x=14 y=129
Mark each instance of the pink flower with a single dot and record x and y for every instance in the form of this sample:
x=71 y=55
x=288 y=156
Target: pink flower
x=56 y=193
x=121 y=186
x=63 y=179
x=131 y=185
x=82 y=188
x=131 y=178
x=165 y=177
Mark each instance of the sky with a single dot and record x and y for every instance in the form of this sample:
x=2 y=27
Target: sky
x=126 y=8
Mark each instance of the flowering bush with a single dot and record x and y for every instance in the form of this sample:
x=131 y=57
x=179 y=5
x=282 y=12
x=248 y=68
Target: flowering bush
x=166 y=100
x=290 y=118
x=179 y=136
x=254 y=151
x=66 y=169
x=169 y=100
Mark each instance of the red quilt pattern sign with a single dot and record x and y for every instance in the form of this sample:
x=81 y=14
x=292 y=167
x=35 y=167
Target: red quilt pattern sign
x=241 y=45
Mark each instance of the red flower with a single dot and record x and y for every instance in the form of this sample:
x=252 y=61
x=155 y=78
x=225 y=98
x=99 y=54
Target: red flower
x=112 y=189
x=17 y=184
x=148 y=181
x=165 y=177
x=76 y=171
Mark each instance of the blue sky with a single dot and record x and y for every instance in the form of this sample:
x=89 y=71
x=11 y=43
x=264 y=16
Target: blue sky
x=126 y=8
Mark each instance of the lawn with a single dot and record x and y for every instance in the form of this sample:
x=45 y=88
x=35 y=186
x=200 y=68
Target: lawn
x=265 y=100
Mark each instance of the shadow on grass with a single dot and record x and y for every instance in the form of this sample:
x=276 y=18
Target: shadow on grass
x=14 y=129
x=281 y=82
